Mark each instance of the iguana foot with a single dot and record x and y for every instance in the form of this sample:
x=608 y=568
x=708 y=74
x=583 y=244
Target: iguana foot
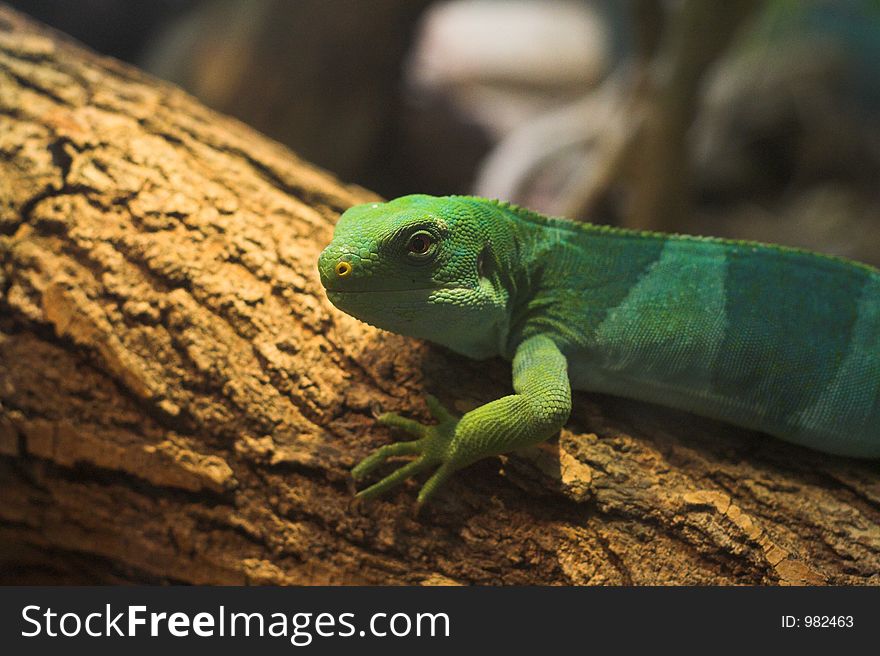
x=431 y=447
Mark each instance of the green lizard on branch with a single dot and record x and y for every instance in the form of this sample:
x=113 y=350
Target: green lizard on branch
x=775 y=339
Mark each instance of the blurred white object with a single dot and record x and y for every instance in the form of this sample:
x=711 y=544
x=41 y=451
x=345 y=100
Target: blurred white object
x=502 y=62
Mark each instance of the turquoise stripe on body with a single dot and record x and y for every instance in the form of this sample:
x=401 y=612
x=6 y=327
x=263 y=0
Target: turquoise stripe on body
x=599 y=271
x=849 y=408
x=792 y=319
x=671 y=325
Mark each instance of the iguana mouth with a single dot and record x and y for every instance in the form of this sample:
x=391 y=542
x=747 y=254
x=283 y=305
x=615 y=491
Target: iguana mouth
x=353 y=292
x=331 y=290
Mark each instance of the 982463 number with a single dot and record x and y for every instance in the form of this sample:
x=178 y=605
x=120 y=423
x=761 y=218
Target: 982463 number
x=828 y=621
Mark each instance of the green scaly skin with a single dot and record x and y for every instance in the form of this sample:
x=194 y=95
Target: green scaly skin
x=775 y=339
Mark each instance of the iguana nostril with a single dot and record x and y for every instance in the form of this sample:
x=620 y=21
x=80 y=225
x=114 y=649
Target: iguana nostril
x=342 y=269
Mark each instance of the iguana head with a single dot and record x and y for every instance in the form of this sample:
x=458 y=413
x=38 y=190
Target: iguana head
x=420 y=266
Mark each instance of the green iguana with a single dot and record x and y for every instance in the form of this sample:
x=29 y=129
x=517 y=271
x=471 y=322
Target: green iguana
x=775 y=339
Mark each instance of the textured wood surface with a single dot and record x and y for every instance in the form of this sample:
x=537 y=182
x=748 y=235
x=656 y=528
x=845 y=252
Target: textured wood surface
x=180 y=403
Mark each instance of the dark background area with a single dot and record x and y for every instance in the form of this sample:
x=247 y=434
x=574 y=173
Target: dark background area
x=762 y=116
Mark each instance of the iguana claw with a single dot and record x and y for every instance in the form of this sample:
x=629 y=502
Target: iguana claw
x=431 y=447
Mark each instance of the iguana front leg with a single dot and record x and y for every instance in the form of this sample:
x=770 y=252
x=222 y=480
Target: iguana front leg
x=536 y=411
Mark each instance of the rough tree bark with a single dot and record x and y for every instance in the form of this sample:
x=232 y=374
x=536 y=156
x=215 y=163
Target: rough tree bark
x=179 y=402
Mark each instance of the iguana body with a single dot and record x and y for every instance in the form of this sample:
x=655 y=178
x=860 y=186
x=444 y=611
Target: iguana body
x=775 y=339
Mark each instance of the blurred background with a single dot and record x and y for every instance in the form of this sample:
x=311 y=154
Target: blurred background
x=739 y=118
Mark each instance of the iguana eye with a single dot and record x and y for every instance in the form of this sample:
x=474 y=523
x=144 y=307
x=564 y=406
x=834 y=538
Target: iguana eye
x=420 y=243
